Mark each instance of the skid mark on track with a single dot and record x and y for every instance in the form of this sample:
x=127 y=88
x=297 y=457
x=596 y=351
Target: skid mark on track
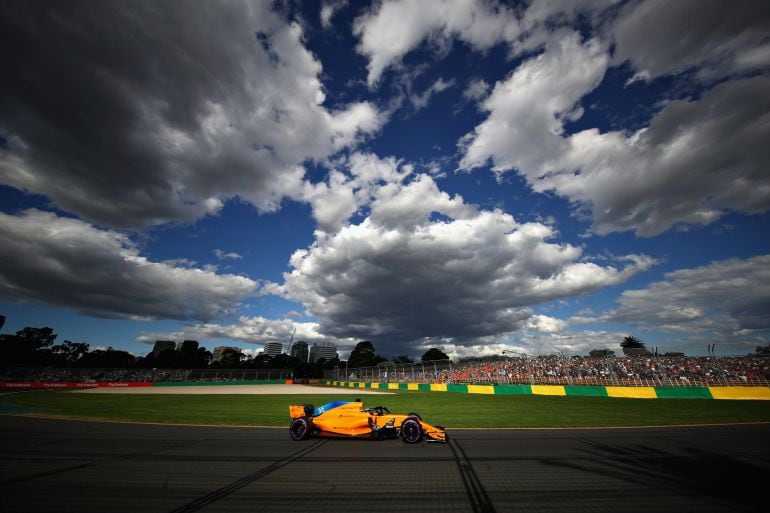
x=477 y=495
x=98 y=462
x=245 y=480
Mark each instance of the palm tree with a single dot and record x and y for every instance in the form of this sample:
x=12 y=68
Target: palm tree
x=632 y=346
x=631 y=341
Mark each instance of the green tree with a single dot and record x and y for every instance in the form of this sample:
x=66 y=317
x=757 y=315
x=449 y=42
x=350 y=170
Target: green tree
x=231 y=359
x=601 y=353
x=434 y=354
x=28 y=347
x=37 y=338
x=363 y=355
x=107 y=358
x=68 y=353
x=403 y=359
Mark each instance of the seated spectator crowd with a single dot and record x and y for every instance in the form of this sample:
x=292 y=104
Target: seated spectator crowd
x=577 y=370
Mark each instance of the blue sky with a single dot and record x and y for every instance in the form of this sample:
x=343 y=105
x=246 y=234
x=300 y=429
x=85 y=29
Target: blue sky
x=476 y=176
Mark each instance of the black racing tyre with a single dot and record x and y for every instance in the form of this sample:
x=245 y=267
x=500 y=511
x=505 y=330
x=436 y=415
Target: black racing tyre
x=411 y=430
x=415 y=415
x=300 y=429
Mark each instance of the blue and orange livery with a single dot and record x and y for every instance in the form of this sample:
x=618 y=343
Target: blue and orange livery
x=351 y=420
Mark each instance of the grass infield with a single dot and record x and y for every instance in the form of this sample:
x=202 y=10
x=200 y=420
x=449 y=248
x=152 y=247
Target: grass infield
x=450 y=410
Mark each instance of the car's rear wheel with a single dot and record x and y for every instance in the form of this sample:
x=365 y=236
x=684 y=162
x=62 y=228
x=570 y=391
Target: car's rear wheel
x=411 y=430
x=299 y=429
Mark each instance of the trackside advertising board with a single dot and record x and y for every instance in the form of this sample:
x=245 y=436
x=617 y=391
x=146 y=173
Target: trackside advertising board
x=72 y=384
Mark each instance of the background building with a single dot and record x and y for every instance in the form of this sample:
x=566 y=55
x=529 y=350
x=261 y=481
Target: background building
x=163 y=345
x=273 y=349
x=300 y=350
x=218 y=352
x=321 y=350
x=188 y=345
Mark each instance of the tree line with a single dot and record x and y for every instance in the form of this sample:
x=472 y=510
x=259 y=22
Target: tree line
x=364 y=355
x=37 y=347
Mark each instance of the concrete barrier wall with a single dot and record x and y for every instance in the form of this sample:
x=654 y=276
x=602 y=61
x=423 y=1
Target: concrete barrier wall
x=742 y=393
x=121 y=384
x=219 y=383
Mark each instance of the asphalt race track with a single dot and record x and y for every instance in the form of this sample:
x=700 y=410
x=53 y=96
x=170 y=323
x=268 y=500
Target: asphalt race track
x=62 y=465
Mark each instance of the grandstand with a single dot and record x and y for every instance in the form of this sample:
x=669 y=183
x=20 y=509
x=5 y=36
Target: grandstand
x=575 y=370
x=537 y=370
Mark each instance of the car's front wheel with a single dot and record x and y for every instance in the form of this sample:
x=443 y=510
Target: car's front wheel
x=300 y=429
x=411 y=431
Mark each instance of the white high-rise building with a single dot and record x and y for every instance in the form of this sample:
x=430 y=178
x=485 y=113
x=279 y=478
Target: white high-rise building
x=325 y=350
x=273 y=349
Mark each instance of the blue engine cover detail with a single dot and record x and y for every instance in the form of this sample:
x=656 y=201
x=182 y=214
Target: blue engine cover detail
x=327 y=407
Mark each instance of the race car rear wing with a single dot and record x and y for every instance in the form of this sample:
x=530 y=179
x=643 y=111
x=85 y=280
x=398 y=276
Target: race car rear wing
x=296 y=411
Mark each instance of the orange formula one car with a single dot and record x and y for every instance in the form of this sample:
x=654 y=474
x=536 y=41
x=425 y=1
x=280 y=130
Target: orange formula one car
x=351 y=419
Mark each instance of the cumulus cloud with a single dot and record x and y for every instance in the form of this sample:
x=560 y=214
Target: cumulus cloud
x=424 y=264
x=251 y=330
x=392 y=29
x=352 y=186
x=69 y=263
x=565 y=342
x=527 y=111
x=730 y=298
x=131 y=115
x=476 y=89
x=659 y=37
x=621 y=181
x=328 y=10
x=698 y=158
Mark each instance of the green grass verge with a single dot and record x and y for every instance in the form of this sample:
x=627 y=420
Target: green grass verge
x=451 y=410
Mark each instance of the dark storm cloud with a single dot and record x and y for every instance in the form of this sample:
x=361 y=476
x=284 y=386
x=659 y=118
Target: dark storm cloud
x=66 y=262
x=730 y=298
x=400 y=277
x=661 y=37
x=134 y=113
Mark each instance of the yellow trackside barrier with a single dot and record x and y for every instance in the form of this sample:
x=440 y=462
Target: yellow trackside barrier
x=761 y=393
x=632 y=392
x=548 y=390
x=438 y=387
x=392 y=386
x=361 y=384
x=481 y=389
x=412 y=386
